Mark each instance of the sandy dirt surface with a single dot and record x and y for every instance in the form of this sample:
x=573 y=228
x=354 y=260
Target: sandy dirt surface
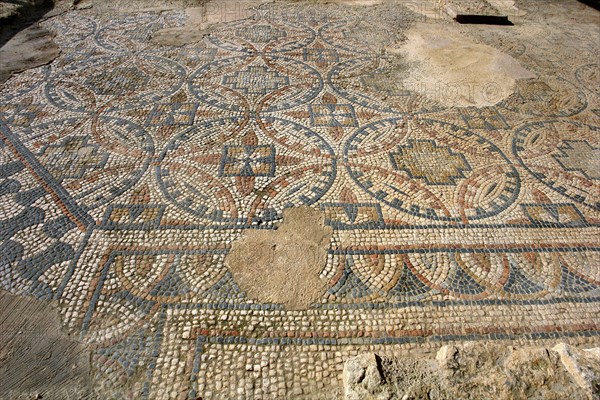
x=37 y=359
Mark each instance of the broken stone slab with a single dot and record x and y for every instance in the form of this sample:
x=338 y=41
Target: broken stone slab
x=583 y=365
x=455 y=8
x=475 y=371
x=506 y=372
x=32 y=47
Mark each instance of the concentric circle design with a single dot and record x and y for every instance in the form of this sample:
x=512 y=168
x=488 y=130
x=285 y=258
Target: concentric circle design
x=563 y=155
x=431 y=169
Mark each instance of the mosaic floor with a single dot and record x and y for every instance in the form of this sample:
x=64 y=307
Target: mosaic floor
x=127 y=169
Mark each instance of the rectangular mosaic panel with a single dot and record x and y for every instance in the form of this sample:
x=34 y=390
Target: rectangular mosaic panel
x=129 y=170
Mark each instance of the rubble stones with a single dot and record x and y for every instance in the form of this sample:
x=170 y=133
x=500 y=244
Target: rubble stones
x=478 y=370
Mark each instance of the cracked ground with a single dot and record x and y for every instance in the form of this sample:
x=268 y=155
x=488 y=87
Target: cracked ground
x=161 y=178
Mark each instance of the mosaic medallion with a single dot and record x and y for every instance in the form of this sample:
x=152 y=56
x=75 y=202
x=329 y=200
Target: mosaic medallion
x=450 y=173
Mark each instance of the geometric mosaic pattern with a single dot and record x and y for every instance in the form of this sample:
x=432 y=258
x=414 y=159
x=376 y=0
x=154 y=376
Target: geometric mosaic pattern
x=579 y=156
x=424 y=160
x=128 y=169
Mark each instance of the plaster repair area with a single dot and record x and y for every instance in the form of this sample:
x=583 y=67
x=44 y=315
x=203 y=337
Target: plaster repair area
x=456 y=71
x=292 y=257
